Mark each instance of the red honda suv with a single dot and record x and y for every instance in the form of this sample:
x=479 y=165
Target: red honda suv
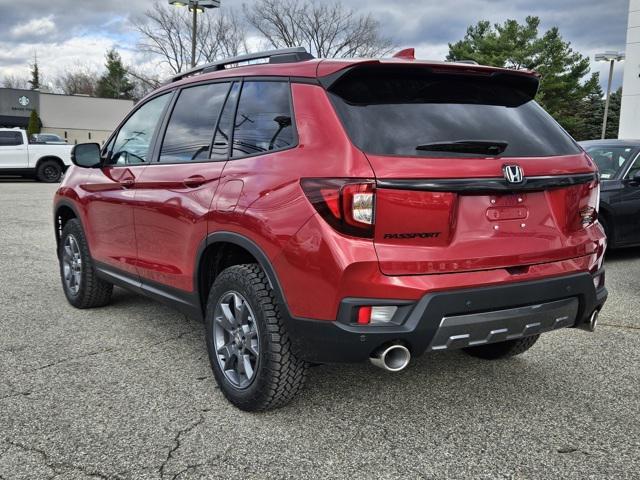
x=316 y=211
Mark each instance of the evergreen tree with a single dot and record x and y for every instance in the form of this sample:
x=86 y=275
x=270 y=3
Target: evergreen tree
x=35 y=75
x=115 y=82
x=34 y=124
x=613 y=119
x=565 y=83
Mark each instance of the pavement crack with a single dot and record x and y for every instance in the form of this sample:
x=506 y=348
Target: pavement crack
x=15 y=394
x=176 y=446
x=59 y=467
x=103 y=351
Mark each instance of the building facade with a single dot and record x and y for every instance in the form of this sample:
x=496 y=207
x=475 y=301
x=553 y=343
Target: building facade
x=76 y=118
x=630 y=110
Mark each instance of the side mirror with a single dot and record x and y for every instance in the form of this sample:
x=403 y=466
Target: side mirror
x=86 y=155
x=636 y=177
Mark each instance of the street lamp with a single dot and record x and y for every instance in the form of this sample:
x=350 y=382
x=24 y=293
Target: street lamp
x=611 y=57
x=195 y=6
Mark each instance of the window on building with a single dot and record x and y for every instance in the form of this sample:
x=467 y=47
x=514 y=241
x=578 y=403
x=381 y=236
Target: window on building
x=264 y=120
x=89 y=135
x=10 y=139
x=134 y=138
x=191 y=127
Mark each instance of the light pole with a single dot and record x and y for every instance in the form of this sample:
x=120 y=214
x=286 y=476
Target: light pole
x=611 y=57
x=195 y=6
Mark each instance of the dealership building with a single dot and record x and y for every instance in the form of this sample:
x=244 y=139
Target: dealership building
x=76 y=118
x=630 y=112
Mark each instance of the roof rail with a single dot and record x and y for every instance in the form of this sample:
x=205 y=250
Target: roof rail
x=284 y=55
x=468 y=62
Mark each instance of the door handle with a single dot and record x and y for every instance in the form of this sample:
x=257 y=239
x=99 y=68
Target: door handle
x=194 y=181
x=127 y=182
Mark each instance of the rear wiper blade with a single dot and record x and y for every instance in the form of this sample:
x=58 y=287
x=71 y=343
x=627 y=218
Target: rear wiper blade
x=480 y=147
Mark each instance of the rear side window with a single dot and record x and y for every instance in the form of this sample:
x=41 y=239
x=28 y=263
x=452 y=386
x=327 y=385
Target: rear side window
x=392 y=111
x=609 y=159
x=264 y=119
x=10 y=139
x=220 y=150
x=193 y=121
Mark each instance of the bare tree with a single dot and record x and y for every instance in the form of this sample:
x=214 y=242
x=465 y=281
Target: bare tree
x=79 y=80
x=143 y=83
x=166 y=32
x=328 y=30
x=14 y=81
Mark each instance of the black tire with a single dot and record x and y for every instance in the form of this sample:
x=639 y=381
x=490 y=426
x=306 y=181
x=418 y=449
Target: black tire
x=507 y=349
x=92 y=291
x=278 y=375
x=49 y=171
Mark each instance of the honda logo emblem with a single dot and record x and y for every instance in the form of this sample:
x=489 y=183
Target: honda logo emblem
x=513 y=173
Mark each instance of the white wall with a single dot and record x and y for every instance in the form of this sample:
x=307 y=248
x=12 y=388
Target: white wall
x=630 y=112
x=86 y=114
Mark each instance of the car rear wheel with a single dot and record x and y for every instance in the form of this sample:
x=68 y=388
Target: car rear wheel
x=249 y=348
x=49 y=171
x=81 y=285
x=507 y=349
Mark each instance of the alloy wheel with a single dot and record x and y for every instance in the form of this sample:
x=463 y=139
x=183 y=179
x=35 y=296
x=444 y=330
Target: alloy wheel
x=236 y=339
x=72 y=264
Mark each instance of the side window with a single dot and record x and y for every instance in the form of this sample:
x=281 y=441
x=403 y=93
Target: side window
x=635 y=167
x=192 y=123
x=264 y=119
x=12 y=139
x=220 y=150
x=133 y=142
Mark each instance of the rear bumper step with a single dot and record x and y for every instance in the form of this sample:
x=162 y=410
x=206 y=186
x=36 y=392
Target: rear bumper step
x=453 y=319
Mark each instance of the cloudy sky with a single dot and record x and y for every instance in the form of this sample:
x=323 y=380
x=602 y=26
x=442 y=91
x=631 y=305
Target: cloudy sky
x=65 y=33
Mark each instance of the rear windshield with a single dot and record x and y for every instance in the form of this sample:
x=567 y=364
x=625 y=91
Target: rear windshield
x=392 y=111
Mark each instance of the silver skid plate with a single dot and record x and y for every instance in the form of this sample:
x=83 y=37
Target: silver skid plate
x=474 y=329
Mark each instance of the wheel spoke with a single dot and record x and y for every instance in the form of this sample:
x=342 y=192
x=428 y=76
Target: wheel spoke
x=229 y=354
x=238 y=306
x=245 y=361
x=252 y=347
x=226 y=320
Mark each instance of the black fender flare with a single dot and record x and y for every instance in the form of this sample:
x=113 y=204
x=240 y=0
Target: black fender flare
x=253 y=249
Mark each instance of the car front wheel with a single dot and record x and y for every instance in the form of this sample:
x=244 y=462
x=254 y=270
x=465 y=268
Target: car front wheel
x=81 y=285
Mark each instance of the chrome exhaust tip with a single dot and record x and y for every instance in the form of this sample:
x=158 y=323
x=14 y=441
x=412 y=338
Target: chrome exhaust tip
x=593 y=320
x=393 y=358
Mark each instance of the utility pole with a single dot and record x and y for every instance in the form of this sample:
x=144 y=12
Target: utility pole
x=612 y=58
x=194 y=7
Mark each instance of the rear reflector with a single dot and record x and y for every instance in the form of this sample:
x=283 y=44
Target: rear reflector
x=364 y=315
x=376 y=315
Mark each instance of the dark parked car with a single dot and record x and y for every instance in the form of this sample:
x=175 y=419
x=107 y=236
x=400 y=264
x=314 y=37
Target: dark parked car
x=619 y=164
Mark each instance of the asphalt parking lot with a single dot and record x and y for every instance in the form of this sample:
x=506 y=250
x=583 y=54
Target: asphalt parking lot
x=126 y=392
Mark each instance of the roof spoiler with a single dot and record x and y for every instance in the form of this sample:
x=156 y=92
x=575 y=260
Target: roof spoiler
x=525 y=82
x=284 y=55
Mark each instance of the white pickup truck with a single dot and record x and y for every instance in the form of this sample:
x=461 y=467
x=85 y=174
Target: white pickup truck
x=45 y=162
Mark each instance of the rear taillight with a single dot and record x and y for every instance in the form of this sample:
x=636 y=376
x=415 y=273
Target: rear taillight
x=348 y=205
x=589 y=212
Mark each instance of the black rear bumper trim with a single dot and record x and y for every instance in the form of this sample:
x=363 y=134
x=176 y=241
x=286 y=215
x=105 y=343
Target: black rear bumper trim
x=341 y=341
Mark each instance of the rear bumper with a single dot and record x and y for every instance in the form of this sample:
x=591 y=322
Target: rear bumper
x=453 y=319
